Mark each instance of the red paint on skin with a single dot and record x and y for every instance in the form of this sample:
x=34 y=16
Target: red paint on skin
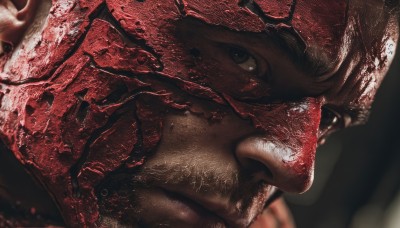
x=146 y=20
x=84 y=84
x=196 y=89
x=276 y=10
x=100 y=93
x=110 y=52
x=372 y=58
x=55 y=121
x=107 y=152
x=299 y=134
x=225 y=13
x=321 y=23
x=67 y=23
x=60 y=126
x=151 y=118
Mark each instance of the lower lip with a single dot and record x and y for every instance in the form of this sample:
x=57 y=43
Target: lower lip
x=189 y=211
x=176 y=210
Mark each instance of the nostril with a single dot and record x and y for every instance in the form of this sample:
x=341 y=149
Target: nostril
x=19 y=4
x=257 y=169
x=276 y=163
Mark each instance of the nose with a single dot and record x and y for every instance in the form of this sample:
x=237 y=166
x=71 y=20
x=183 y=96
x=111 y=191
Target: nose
x=284 y=154
x=276 y=163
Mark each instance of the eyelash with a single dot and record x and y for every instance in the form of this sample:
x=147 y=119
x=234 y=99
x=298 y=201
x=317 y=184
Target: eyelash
x=331 y=121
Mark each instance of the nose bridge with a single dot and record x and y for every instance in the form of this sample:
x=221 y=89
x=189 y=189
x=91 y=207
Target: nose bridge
x=287 y=146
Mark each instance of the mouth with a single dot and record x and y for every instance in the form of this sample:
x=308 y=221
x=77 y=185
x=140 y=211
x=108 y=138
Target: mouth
x=218 y=208
x=150 y=202
x=191 y=211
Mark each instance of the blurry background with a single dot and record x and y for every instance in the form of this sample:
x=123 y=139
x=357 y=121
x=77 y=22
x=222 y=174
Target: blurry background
x=357 y=176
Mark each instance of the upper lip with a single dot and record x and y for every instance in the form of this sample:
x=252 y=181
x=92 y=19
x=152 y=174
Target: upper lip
x=219 y=205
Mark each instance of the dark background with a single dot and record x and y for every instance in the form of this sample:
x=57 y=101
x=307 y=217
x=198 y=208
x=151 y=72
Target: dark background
x=357 y=176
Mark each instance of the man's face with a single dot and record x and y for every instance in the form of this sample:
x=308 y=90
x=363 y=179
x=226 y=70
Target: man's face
x=181 y=113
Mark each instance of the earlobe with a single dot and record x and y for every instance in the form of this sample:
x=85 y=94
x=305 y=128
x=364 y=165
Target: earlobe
x=15 y=18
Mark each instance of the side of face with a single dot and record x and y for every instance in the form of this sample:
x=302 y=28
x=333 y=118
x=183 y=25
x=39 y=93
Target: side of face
x=128 y=110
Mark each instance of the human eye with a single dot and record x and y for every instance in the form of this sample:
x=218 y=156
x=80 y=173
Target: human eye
x=331 y=121
x=242 y=58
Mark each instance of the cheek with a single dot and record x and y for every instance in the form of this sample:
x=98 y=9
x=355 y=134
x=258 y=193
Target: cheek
x=84 y=123
x=74 y=132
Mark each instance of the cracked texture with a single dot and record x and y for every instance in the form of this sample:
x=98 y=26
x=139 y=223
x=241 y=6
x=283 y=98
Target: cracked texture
x=96 y=105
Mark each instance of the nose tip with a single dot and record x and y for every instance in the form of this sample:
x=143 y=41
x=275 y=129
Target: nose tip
x=280 y=165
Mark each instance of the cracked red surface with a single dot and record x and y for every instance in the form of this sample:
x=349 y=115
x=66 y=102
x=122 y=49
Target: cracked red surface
x=107 y=82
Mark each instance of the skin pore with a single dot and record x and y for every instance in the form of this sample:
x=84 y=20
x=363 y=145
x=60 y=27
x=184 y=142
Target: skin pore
x=194 y=118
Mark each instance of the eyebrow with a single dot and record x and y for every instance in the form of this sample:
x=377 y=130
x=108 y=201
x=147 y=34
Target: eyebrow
x=313 y=61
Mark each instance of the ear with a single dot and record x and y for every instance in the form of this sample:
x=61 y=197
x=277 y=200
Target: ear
x=15 y=18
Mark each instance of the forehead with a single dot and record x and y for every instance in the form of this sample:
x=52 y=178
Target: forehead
x=320 y=23
x=317 y=23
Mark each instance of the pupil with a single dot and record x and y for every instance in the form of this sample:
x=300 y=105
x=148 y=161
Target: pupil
x=238 y=56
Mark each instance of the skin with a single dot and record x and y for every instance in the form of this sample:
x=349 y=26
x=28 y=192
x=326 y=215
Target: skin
x=183 y=114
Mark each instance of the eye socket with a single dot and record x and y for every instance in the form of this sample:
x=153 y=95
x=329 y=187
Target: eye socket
x=329 y=118
x=243 y=59
x=331 y=121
